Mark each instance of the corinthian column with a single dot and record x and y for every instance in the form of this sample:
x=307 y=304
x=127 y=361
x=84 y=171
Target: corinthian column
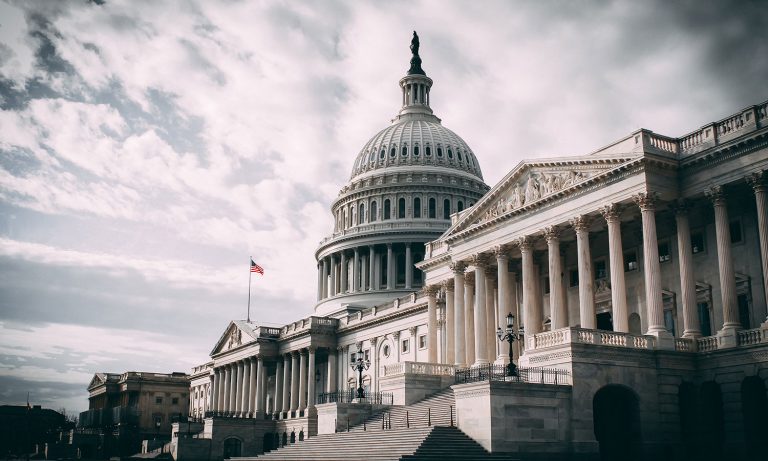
x=450 y=323
x=233 y=389
x=302 y=381
x=391 y=269
x=332 y=291
x=245 y=401
x=532 y=314
x=458 y=305
x=504 y=304
x=286 y=383
x=344 y=276
x=431 y=292
x=490 y=312
x=758 y=183
x=311 y=378
x=724 y=260
x=481 y=325
x=324 y=285
x=618 y=287
x=356 y=272
x=294 y=380
x=653 y=296
x=691 y=326
x=556 y=305
x=408 y=267
x=278 y=406
x=259 y=407
x=587 y=316
x=372 y=282
x=469 y=317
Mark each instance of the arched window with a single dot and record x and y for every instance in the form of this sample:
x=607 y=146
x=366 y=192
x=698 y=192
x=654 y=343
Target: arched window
x=401 y=208
x=373 y=213
x=361 y=214
x=450 y=153
x=345 y=222
x=446 y=209
x=353 y=219
x=416 y=150
x=460 y=206
x=232 y=447
x=392 y=152
x=428 y=152
x=417 y=207
x=432 y=208
x=382 y=154
x=459 y=154
x=387 y=210
x=404 y=151
x=439 y=151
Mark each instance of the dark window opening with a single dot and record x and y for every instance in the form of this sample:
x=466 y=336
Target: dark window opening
x=446 y=209
x=374 y=211
x=630 y=261
x=417 y=207
x=460 y=206
x=401 y=208
x=664 y=252
x=428 y=152
x=735 y=228
x=432 y=208
x=601 y=271
x=387 y=211
x=574 y=278
x=405 y=151
x=439 y=151
x=697 y=242
x=415 y=151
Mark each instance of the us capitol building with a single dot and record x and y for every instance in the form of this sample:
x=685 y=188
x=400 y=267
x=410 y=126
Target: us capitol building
x=636 y=274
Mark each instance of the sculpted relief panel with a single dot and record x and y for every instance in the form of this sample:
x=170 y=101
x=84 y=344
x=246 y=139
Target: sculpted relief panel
x=535 y=186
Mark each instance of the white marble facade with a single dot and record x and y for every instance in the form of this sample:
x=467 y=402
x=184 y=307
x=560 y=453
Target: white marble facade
x=652 y=242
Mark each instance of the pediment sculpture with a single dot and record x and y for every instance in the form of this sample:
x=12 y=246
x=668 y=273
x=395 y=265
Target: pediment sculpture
x=536 y=186
x=235 y=338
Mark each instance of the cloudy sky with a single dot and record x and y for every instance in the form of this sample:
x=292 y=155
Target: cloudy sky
x=148 y=148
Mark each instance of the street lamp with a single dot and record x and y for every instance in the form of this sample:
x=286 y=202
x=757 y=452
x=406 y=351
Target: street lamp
x=359 y=367
x=510 y=336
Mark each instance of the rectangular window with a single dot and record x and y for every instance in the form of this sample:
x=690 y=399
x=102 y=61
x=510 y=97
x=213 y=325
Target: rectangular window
x=601 y=271
x=367 y=354
x=423 y=342
x=406 y=346
x=630 y=261
x=574 y=278
x=736 y=234
x=352 y=357
x=175 y=401
x=697 y=242
x=158 y=400
x=665 y=253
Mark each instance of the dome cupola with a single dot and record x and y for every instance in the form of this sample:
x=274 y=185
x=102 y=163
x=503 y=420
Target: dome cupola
x=406 y=182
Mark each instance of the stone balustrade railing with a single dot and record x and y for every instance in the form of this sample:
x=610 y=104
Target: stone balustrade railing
x=419 y=368
x=706 y=344
x=587 y=336
x=310 y=323
x=420 y=223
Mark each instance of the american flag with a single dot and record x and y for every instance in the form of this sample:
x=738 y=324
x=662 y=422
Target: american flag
x=256 y=268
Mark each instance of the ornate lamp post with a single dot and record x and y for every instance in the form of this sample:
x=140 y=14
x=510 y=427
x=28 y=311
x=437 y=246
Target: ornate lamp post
x=509 y=335
x=359 y=367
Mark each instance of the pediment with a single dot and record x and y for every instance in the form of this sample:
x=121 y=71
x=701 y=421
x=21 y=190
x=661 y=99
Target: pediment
x=533 y=182
x=97 y=380
x=235 y=335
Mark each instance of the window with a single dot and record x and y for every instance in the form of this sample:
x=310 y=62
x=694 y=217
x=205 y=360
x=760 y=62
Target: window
x=423 y=342
x=428 y=151
x=439 y=151
x=546 y=285
x=630 y=261
x=386 y=350
x=697 y=242
x=158 y=400
x=432 y=207
x=387 y=211
x=367 y=355
x=382 y=154
x=460 y=206
x=574 y=278
x=446 y=209
x=353 y=357
x=392 y=152
x=361 y=214
x=601 y=271
x=665 y=254
x=743 y=304
x=417 y=207
x=404 y=151
x=735 y=228
x=450 y=153
x=374 y=212
x=406 y=345
x=416 y=151
x=401 y=208
x=459 y=155
x=175 y=401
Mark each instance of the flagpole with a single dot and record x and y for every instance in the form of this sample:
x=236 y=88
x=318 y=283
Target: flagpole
x=250 y=274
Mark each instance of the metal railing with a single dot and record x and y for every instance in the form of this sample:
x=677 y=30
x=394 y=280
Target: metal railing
x=493 y=372
x=347 y=396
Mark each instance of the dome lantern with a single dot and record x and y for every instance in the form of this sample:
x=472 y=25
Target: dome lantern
x=415 y=86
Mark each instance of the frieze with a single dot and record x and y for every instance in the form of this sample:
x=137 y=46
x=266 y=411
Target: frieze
x=473 y=393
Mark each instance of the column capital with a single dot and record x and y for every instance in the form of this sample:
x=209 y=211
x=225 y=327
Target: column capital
x=490 y=272
x=412 y=331
x=581 y=223
x=646 y=200
x=478 y=260
x=447 y=285
x=458 y=267
x=680 y=206
x=431 y=290
x=469 y=279
x=552 y=234
x=525 y=243
x=311 y=349
x=758 y=181
x=716 y=194
x=389 y=245
x=295 y=353
x=359 y=345
x=501 y=252
x=396 y=335
x=374 y=341
x=611 y=212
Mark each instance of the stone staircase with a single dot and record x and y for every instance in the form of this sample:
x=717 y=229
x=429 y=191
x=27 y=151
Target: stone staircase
x=436 y=410
x=421 y=431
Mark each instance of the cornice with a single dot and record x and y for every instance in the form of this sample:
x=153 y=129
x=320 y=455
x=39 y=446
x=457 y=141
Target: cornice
x=400 y=313
x=724 y=152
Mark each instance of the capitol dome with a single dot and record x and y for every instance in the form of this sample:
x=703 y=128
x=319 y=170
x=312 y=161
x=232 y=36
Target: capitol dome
x=406 y=183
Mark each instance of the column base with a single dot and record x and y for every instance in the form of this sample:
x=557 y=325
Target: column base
x=664 y=339
x=693 y=334
x=727 y=337
x=502 y=360
x=480 y=363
